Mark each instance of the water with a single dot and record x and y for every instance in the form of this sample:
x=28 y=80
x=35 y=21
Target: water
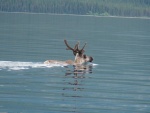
x=117 y=82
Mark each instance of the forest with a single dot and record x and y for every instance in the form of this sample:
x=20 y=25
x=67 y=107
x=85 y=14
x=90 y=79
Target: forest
x=130 y=8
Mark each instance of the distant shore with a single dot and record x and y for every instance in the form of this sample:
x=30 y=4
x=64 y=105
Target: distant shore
x=98 y=8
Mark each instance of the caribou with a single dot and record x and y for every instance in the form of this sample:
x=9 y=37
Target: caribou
x=80 y=57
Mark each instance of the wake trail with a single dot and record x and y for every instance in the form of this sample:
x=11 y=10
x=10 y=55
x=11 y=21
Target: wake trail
x=20 y=65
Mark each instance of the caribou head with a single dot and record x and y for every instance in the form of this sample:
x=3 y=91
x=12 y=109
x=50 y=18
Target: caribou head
x=80 y=57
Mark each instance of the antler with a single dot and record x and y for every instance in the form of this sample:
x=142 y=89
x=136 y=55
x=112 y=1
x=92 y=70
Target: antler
x=83 y=47
x=69 y=48
x=76 y=48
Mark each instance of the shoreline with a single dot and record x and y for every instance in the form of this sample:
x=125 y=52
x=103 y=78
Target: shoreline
x=80 y=15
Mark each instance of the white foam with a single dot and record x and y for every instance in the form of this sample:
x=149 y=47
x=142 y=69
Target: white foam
x=93 y=64
x=18 y=65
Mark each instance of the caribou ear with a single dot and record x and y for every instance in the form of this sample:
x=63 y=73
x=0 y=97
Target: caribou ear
x=84 y=56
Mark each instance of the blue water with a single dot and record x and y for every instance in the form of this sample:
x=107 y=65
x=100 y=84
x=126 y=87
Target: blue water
x=117 y=81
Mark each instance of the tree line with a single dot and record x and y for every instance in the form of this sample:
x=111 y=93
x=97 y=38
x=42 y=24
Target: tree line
x=134 y=8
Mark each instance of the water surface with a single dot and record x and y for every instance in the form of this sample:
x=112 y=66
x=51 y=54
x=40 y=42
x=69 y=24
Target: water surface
x=119 y=83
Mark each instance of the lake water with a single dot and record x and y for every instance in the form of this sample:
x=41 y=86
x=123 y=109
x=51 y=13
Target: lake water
x=118 y=80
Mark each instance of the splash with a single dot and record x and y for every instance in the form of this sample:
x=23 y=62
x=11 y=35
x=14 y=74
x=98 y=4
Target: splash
x=18 y=65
